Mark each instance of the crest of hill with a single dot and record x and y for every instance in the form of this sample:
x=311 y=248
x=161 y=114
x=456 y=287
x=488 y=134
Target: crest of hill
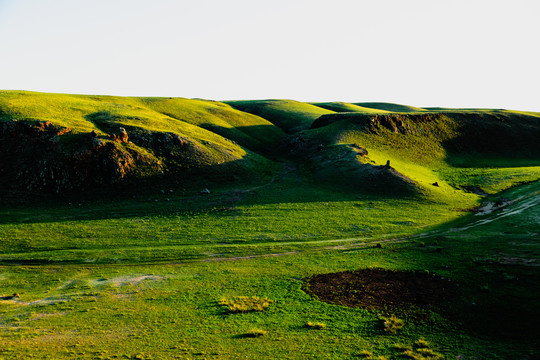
x=199 y=119
x=289 y=115
x=248 y=130
x=389 y=107
x=480 y=133
x=348 y=107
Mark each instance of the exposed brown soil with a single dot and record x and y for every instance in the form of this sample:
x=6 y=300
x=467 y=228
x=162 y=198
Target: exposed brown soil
x=382 y=289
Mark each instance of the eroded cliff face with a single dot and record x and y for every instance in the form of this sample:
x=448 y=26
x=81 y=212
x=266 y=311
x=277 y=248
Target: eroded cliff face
x=39 y=156
x=499 y=133
x=421 y=124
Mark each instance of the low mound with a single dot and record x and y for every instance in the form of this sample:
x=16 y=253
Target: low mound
x=379 y=289
x=246 y=129
x=348 y=107
x=348 y=168
x=418 y=143
x=291 y=116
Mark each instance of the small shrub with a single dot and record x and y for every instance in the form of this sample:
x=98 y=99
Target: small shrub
x=422 y=351
x=401 y=347
x=428 y=353
x=421 y=343
x=241 y=304
x=253 y=333
x=393 y=324
x=366 y=354
x=423 y=354
x=316 y=326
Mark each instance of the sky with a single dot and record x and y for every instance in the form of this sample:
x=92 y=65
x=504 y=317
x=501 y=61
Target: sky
x=448 y=53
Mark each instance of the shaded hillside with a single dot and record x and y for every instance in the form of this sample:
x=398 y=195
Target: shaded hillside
x=248 y=130
x=485 y=133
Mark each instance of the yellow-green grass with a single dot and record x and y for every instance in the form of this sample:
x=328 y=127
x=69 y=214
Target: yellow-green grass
x=289 y=115
x=105 y=114
x=75 y=112
x=247 y=129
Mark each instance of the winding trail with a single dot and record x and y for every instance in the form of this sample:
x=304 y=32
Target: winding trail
x=489 y=213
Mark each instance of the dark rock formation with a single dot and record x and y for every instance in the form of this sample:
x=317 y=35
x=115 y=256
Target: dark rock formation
x=39 y=161
x=121 y=136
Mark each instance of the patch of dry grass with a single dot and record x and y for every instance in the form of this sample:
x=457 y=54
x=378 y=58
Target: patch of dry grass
x=242 y=304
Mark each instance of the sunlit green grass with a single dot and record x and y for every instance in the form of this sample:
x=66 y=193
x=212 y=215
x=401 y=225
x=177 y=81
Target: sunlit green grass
x=220 y=220
x=165 y=310
x=289 y=115
x=81 y=113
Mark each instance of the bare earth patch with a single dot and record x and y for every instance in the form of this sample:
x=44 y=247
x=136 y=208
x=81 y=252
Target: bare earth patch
x=381 y=289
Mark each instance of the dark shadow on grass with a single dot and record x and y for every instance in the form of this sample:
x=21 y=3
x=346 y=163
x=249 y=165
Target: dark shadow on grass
x=493 y=139
x=167 y=196
x=248 y=335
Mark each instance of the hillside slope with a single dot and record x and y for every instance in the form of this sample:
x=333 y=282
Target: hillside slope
x=431 y=149
x=57 y=143
x=348 y=107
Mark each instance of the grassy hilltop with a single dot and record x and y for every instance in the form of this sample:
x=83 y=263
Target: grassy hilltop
x=154 y=228
x=128 y=139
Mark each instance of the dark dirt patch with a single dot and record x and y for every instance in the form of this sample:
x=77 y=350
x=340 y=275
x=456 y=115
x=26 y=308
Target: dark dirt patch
x=382 y=289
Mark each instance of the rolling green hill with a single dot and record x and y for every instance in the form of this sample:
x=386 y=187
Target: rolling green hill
x=60 y=143
x=428 y=147
x=72 y=133
x=289 y=115
x=348 y=107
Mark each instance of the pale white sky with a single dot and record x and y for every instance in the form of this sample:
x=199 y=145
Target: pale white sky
x=452 y=53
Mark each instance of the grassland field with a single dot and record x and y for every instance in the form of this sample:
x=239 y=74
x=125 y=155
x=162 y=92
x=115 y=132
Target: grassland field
x=208 y=202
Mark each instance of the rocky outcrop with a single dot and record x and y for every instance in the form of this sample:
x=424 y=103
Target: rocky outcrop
x=121 y=135
x=35 y=157
x=39 y=157
x=406 y=124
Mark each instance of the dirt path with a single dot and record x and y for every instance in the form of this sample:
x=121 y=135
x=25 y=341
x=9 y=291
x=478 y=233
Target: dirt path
x=490 y=213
